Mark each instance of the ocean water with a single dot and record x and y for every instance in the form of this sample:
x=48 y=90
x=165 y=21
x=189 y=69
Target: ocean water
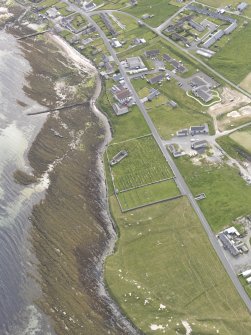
x=18 y=289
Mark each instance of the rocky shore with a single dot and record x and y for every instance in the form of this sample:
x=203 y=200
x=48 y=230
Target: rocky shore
x=72 y=232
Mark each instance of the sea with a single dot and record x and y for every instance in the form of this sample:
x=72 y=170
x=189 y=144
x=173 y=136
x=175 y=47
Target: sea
x=19 y=282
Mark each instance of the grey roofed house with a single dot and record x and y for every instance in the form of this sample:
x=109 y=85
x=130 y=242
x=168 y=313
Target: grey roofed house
x=206 y=96
x=156 y=79
x=228 y=245
x=203 y=129
x=167 y=58
x=135 y=63
x=231 y=28
x=120 y=110
x=153 y=94
x=151 y=53
x=197 y=81
x=199 y=145
x=179 y=67
x=242 y=6
x=196 y=26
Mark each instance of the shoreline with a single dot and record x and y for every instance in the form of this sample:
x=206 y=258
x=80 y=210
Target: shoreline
x=81 y=62
x=103 y=289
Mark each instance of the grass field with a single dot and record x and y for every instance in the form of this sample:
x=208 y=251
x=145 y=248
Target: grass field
x=148 y=194
x=232 y=60
x=164 y=271
x=144 y=164
x=227 y=194
x=237 y=144
x=243 y=138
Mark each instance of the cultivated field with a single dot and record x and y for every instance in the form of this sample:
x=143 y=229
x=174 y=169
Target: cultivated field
x=143 y=177
x=144 y=164
x=164 y=274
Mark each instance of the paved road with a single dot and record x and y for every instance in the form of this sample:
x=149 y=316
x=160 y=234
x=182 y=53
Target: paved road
x=179 y=179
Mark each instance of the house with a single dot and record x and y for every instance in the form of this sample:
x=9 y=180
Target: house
x=197 y=130
x=153 y=94
x=152 y=53
x=120 y=110
x=204 y=95
x=199 y=145
x=197 y=81
x=123 y=96
x=242 y=6
x=167 y=58
x=156 y=79
x=228 y=244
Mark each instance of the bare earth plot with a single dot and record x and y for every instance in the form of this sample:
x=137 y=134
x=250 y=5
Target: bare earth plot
x=165 y=274
x=143 y=177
